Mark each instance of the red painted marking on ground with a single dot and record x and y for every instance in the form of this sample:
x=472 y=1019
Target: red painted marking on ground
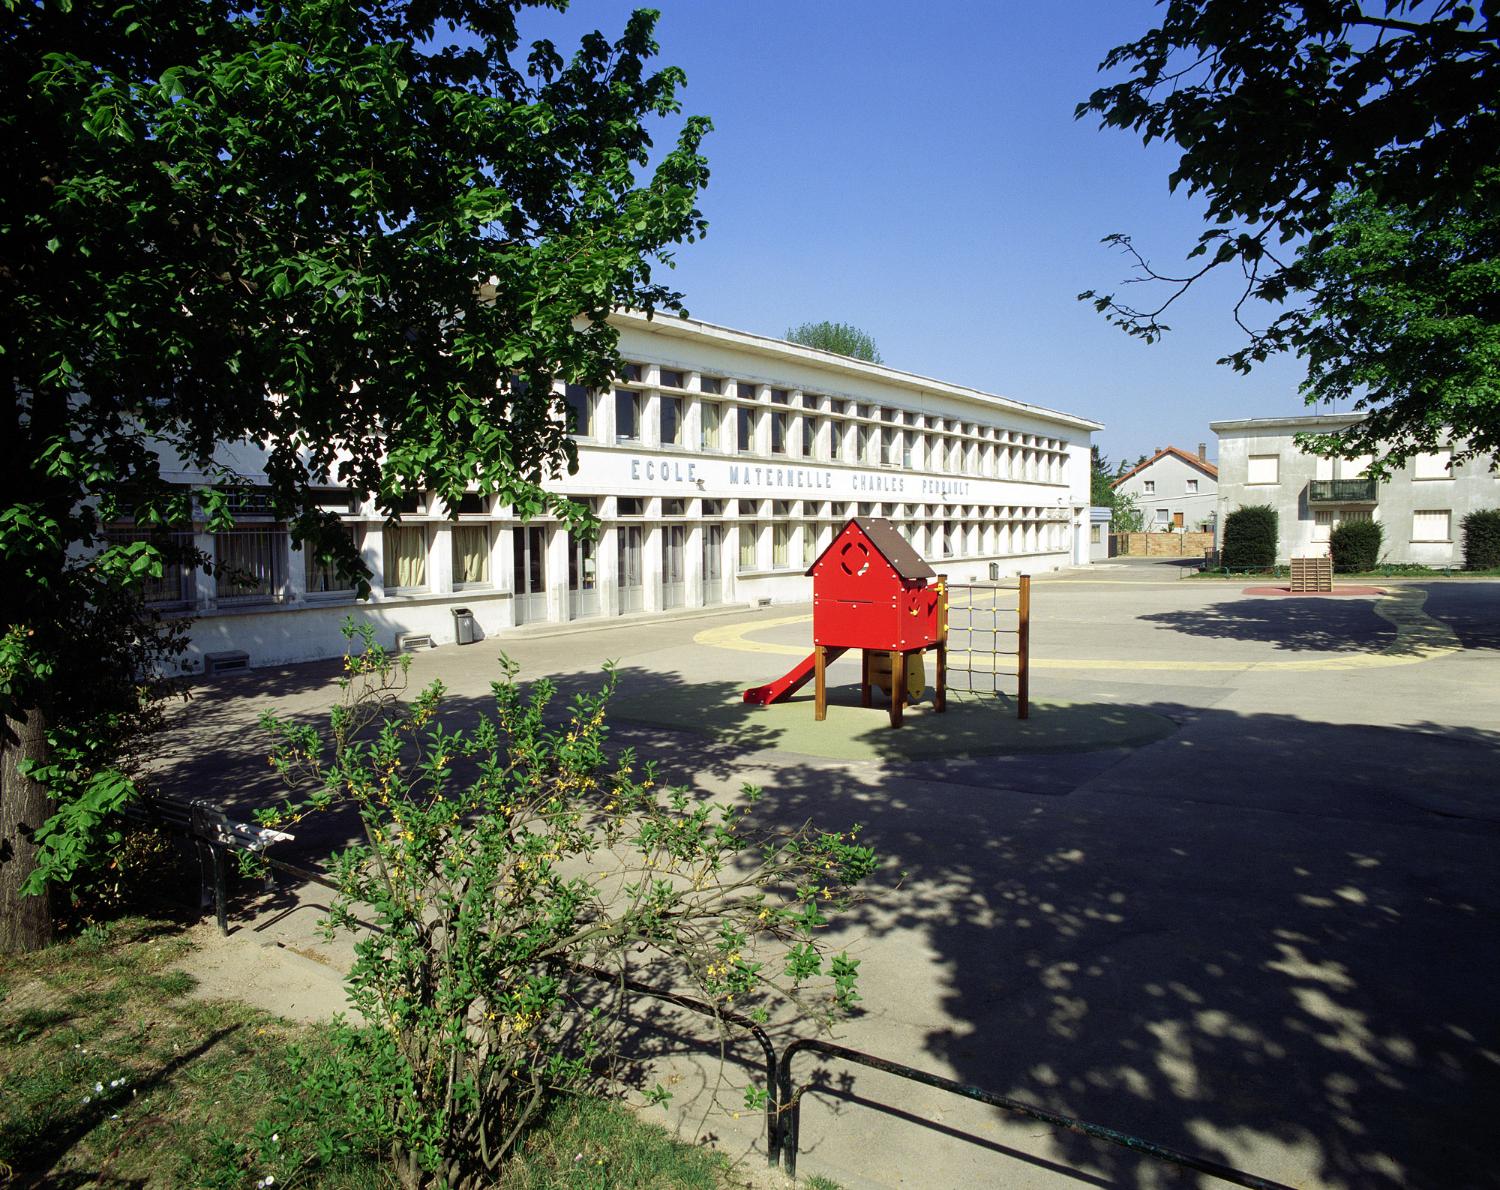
x=1335 y=591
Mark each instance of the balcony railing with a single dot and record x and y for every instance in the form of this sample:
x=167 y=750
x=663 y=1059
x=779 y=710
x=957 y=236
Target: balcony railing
x=1342 y=491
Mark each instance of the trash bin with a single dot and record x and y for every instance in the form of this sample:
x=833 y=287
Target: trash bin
x=463 y=626
x=994 y=572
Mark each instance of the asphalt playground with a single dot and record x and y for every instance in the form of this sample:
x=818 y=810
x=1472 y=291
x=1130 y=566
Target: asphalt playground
x=1230 y=887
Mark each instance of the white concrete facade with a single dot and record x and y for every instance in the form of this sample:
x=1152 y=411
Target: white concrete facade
x=1173 y=489
x=691 y=516
x=1421 y=506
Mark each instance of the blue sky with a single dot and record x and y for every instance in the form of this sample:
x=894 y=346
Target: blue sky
x=915 y=169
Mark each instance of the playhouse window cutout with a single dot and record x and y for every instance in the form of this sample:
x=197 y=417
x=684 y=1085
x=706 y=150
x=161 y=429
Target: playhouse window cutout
x=854 y=565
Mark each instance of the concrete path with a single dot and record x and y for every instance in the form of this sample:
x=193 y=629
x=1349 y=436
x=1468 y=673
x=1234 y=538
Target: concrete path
x=1265 y=934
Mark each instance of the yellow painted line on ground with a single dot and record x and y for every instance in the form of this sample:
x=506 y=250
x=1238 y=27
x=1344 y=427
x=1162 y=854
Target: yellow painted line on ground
x=1419 y=637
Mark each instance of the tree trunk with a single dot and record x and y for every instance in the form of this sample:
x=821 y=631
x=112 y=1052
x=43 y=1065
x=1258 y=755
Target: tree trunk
x=25 y=921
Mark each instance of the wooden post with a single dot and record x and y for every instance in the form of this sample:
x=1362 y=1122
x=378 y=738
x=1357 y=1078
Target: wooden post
x=1023 y=650
x=820 y=683
x=864 y=677
x=940 y=679
x=898 y=685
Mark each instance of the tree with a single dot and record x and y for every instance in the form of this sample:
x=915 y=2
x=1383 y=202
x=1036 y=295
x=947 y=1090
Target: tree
x=1294 y=118
x=1127 y=516
x=837 y=337
x=364 y=237
x=1101 y=479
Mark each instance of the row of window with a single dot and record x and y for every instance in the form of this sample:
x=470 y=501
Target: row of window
x=1265 y=469
x=803 y=425
x=251 y=564
x=1427 y=524
x=1190 y=487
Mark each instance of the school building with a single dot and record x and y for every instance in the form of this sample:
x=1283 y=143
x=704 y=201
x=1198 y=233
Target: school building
x=719 y=465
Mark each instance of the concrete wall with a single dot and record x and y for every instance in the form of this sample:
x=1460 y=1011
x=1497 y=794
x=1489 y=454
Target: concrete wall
x=1467 y=487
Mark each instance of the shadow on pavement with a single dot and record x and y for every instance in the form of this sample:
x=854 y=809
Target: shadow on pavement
x=1260 y=935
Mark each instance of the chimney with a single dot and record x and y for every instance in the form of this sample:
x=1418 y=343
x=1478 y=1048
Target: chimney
x=1203 y=452
x=1157 y=451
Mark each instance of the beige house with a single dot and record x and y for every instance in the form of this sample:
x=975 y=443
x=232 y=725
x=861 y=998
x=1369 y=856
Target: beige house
x=1421 y=506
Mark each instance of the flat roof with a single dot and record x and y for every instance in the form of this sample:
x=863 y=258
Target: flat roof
x=1313 y=421
x=765 y=345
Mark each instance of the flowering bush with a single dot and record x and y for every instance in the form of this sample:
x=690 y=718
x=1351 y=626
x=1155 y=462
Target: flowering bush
x=502 y=858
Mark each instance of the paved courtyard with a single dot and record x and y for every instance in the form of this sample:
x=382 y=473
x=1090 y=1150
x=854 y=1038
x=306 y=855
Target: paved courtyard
x=1232 y=888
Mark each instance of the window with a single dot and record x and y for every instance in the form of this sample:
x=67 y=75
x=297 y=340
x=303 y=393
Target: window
x=1192 y=487
x=673 y=508
x=809 y=437
x=580 y=410
x=632 y=374
x=671 y=421
x=1263 y=469
x=175 y=587
x=744 y=390
x=472 y=504
x=323 y=577
x=835 y=439
x=471 y=556
x=712 y=508
x=744 y=430
x=1431 y=524
x=866 y=443
x=708 y=425
x=1322 y=525
x=710 y=384
x=809 y=544
x=779 y=396
x=1162 y=516
x=405 y=557
x=1150 y=486
x=629 y=506
x=670 y=378
x=890 y=447
x=778 y=433
x=1434 y=465
x=1096 y=536
x=747 y=545
x=781 y=537
x=627 y=415
x=250 y=564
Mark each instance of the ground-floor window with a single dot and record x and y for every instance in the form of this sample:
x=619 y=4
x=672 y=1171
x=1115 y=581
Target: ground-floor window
x=471 y=556
x=250 y=564
x=748 y=533
x=630 y=571
x=405 y=549
x=323 y=577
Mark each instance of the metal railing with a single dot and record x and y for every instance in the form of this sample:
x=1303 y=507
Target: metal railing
x=1342 y=491
x=791 y=1111
x=209 y=827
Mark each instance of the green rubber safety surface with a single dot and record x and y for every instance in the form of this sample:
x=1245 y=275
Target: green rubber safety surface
x=973 y=725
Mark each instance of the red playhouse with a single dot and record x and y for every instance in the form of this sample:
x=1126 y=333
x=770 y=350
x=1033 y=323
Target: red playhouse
x=872 y=591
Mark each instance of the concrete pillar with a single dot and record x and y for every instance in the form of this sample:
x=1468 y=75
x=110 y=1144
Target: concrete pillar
x=440 y=558
x=607 y=565
x=557 y=573
x=692 y=562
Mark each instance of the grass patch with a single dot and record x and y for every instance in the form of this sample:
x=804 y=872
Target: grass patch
x=110 y=1074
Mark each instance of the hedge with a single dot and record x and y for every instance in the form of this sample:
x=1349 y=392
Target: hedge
x=1355 y=546
x=1482 y=539
x=1250 y=538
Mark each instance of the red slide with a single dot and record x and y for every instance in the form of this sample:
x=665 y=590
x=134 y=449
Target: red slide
x=786 y=685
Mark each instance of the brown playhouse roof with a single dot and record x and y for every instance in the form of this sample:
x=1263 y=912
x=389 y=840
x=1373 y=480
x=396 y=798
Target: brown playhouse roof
x=893 y=547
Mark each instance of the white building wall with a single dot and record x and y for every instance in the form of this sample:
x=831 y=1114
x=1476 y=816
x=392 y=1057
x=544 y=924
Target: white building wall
x=981 y=485
x=1168 y=486
x=1421 y=487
